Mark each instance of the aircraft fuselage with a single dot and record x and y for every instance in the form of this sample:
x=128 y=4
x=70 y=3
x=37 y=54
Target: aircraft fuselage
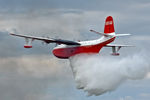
x=94 y=46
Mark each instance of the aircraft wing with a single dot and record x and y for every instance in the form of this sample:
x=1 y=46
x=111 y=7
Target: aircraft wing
x=47 y=40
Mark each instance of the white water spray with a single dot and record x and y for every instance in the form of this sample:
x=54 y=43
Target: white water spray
x=100 y=74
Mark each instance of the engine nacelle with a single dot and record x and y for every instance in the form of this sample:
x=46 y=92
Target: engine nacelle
x=27 y=46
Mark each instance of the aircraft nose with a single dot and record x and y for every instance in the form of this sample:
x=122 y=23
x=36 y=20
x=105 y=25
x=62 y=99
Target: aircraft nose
x=58 y=52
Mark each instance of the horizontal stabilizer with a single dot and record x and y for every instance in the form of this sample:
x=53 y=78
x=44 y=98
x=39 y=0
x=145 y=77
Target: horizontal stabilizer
x=113 y=34
x=100 y=33
x=118 y=45
x=117 y=35
x=116 y=48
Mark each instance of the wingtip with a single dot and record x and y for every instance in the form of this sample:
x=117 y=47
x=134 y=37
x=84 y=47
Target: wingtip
x=11 y=33
x=92 y=30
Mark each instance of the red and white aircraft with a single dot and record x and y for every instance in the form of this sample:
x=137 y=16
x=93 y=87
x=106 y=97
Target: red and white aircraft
x=67 y=48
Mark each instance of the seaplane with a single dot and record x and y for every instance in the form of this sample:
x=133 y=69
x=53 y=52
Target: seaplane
x=66 y=48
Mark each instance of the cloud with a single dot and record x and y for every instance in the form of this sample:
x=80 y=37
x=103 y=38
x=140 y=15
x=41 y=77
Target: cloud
x=145 y=94
x=141 y=38
x=148 y=75
x=30 y=77
x=62 y=23
x=49 y=22
x=126 y=98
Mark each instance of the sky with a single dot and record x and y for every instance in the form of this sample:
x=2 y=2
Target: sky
x=35 y=74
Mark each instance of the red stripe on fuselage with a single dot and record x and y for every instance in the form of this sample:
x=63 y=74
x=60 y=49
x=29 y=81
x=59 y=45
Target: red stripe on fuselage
x=71 y=51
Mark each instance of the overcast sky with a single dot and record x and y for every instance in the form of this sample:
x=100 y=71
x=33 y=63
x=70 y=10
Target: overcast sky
x=36 y=74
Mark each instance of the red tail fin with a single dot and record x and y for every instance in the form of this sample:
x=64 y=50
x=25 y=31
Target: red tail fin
x=109 y=25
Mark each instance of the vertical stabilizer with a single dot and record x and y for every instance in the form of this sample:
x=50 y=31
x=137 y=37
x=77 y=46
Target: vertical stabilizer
x=109 y=25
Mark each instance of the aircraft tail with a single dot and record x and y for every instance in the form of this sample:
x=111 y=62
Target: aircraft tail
x=109 y=25
x=109 y=28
